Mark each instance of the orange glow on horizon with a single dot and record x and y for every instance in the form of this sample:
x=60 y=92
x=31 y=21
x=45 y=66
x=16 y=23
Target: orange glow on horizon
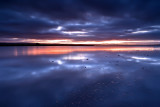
x=104 y=42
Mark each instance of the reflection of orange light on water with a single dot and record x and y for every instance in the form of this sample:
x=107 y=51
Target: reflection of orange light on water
x=48 y=50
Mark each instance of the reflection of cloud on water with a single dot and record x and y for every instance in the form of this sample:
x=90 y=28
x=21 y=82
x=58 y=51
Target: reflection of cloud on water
x=76 y=57
x=76 y=89
x=81 y=79
x=91 y=63
x=143 y=59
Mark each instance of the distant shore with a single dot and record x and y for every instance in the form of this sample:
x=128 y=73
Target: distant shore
x=38 y=44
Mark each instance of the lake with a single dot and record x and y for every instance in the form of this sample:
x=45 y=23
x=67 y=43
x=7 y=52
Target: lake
x=79 y=76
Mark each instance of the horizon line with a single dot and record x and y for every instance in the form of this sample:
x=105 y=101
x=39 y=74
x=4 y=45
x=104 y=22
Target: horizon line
x=60 y=44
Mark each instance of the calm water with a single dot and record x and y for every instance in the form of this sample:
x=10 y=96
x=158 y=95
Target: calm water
x=79 y=76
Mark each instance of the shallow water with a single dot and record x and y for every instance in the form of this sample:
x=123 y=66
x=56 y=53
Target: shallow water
x=79 y=76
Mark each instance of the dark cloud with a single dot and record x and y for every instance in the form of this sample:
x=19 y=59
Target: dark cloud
x=101 y=19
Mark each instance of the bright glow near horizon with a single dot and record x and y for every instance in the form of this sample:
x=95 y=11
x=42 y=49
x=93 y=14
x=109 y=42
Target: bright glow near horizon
x=71 y=41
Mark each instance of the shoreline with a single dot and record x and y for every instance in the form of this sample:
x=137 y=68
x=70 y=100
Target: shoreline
x=37 y=44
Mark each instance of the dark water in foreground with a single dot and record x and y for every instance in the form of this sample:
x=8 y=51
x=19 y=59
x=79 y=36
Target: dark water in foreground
x=79 y=76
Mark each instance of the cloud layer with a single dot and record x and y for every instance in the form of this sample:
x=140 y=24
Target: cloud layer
x=79 y=19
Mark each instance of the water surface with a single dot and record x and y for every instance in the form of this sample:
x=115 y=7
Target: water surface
x=79 y=76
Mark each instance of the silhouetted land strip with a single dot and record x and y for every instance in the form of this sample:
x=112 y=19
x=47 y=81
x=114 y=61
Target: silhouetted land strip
x=37 y=44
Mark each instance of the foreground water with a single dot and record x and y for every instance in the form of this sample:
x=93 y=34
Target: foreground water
x=79 y=76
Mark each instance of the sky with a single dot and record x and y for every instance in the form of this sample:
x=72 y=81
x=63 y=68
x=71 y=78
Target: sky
x=80 y=21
